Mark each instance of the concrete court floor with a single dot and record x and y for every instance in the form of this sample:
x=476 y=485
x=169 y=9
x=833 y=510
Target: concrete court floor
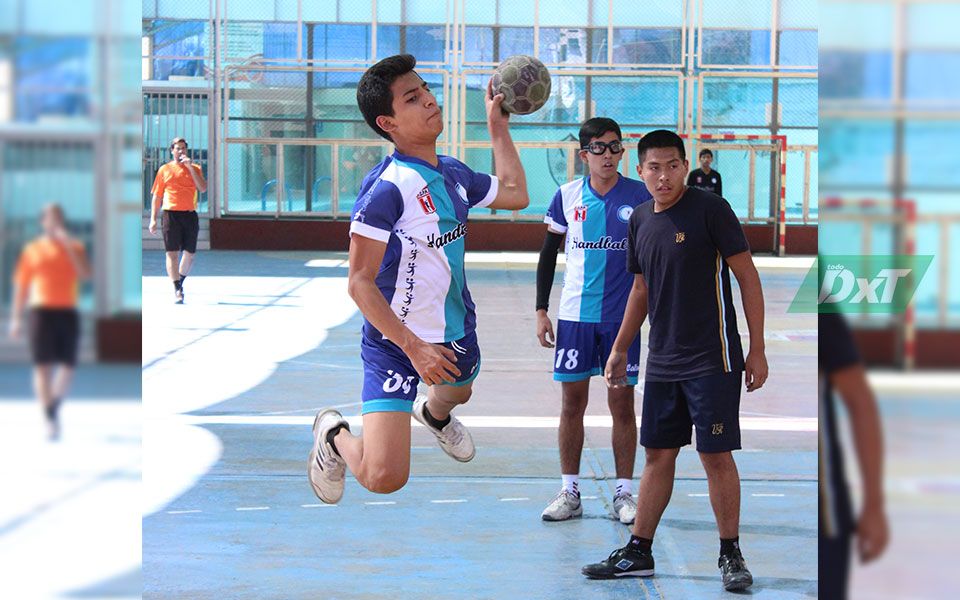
x=70 y=511
x=232 y=379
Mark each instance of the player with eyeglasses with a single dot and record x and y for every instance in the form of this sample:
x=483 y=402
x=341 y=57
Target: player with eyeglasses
x=593 y=213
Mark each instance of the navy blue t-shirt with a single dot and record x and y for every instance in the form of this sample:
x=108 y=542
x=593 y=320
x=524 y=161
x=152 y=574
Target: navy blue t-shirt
x=681 y=254
x=836 y=351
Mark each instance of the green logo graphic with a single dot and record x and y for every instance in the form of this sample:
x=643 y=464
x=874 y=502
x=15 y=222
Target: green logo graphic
x=860 y=284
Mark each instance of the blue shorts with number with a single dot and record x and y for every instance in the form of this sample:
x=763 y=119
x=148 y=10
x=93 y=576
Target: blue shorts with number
x=583 y=348
x=390 y=381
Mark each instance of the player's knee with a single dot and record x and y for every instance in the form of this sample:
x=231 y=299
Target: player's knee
x=661 y=457
x=717 y=461
x=382 y=480
x=623 y=411
x=574 y=406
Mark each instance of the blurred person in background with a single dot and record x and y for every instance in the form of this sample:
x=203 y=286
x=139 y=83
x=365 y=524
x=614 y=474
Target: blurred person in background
x=705 y=178
x=178 y=186
x=842 y=371
x=47 y=276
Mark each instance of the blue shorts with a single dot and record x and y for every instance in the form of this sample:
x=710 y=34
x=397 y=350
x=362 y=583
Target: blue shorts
x=711 y=404
x=583 y=349
x=390 y=381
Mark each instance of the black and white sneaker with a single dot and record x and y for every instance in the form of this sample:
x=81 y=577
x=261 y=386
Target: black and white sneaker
x=178 y=296
x=736 y=576
x=622 y=562
x=325 y=468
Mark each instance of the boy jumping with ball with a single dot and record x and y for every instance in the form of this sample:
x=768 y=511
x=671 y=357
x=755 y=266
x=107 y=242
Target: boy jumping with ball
x=407 y=277
x=593 y=213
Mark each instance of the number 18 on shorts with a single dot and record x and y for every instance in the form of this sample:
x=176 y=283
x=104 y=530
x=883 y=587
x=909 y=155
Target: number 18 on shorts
x=583 y=348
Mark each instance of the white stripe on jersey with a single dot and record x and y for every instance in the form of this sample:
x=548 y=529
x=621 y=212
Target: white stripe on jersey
x=572 y=196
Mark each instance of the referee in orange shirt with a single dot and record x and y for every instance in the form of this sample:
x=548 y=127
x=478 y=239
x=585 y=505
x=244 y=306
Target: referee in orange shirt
x=178 y=185
x=47 y=275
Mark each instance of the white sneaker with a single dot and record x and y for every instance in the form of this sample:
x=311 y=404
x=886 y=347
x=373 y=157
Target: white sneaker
x=454 y=438
x=625 y=508
x=565 y=506
x=325 y=469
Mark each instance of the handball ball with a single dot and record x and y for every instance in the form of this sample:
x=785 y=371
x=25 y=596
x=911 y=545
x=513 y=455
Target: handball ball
x=524 y=83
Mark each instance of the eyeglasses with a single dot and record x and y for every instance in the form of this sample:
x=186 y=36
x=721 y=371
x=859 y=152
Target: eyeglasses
x=599 y=148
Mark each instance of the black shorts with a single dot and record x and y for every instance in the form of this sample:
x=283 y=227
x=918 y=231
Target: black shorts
x=834 y=563
x=711 y=404
x=54 y=335
x=180 y=230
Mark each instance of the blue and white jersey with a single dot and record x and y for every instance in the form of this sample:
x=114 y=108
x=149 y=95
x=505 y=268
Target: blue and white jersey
x=420 y=211
x=596 y=282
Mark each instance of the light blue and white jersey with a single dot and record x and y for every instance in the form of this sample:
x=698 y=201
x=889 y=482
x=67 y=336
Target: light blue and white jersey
x=420 y=211
x=596 y=282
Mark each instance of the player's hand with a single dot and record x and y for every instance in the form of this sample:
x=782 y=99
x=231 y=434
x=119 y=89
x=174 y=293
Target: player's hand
x=185 y=160
x=872 y=533
x=496 y=115
x=153 y=227
x=615 y=373
x=545 y=330
x=14 y=329
x=755 y=370
x=434 y=363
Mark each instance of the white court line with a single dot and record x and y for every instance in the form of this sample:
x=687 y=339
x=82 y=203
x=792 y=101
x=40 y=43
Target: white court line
x=797 y=424
x=913 y=383
x=767 y=495
x=182 y=512
x=698 y=495
x=457 y=501
x=380 y=503
x=243 y=508
x=315 y=505
x=513 y=499
x=588 y=497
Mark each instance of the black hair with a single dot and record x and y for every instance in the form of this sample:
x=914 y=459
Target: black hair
x=597 y=126
x=706 y=151
x=373 y=92
x=660 y=138
x=177 y=141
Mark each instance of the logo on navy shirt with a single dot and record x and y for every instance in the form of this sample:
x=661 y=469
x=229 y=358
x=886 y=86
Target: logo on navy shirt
x=624 y=212
x=426 y=201
x=580 y=213
x=699 y=179
x=681 y=237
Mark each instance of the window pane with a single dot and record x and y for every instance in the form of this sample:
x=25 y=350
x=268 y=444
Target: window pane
x=736 y=47
x=861 y=75
x=478 y=44
x=798 y=102
x=515 y=40
x=732 y=102
x=563 y=46
x=798 y=48
x=927 y=76
x=646 y=46
x=426 y=42
x=855 y=153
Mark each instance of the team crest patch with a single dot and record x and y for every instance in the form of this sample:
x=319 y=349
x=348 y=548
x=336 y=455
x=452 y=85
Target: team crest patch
x=699 y=179
x=624 y=212
x=426 y=201
x=580 y=213
x=681 y=237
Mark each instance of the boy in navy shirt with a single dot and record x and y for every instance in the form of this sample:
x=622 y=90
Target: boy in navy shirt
x=681 y=249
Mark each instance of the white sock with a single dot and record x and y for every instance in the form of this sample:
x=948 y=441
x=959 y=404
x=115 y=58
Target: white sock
x=571 y=483
x=624 y=486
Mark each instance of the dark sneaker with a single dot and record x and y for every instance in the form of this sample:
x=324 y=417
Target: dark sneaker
x=736 y=576
x=179 y=296
x=622 y=562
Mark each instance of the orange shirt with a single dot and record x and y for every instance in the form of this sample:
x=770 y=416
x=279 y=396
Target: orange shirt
x=46 y=270
x=174 y=184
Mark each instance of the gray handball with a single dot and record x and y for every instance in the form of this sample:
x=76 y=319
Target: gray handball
x=524 y=83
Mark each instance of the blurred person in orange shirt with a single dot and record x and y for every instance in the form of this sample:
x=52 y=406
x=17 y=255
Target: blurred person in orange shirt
x=47 y=277
x=841 y=371
x=177 y=186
